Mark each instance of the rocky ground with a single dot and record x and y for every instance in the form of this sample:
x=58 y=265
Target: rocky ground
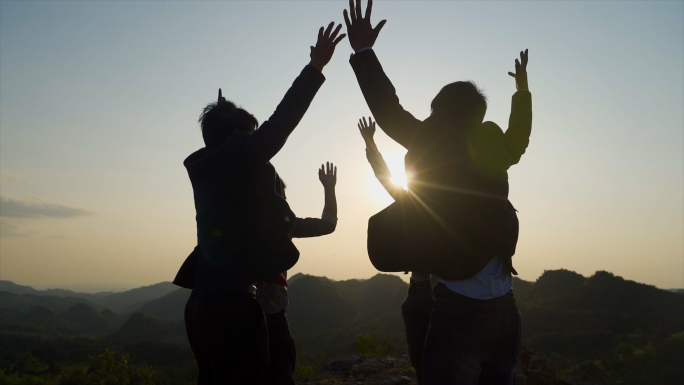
x=396 y=370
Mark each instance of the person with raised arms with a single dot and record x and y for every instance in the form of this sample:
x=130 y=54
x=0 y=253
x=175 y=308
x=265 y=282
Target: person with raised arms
x=243 y=225
x=456 y=222
x=416 y=308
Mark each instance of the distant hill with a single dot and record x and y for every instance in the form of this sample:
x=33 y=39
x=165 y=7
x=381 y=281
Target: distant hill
x=133 y=299
x=380 y=295
x=13 y=288
x=18 y=303
x=373 y=307
x=602 y=328
x=42 y=316
x=316 y=304
x=170 y=307
x=142 y=328
x=88 y=320
x=126 y=301
x=563 y=312
x=566 y=313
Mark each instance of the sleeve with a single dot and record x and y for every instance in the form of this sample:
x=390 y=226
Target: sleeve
x=383 y=173
x=314 y=227
x=265 y=142
x=382 y=99
x=185 y=277
x=517 y=137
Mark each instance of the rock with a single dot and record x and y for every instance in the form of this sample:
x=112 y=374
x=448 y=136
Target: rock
x=401 y=380
x=536 y=377
x=343 y=365
x=364 y=369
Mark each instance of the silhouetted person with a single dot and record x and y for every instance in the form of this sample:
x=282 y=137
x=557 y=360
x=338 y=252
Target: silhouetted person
x=457 y=223
x=272 y=293
x=416 y=308
x=242 y=226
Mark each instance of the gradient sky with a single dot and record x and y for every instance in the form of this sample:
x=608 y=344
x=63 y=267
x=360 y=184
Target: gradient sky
x=99 y=104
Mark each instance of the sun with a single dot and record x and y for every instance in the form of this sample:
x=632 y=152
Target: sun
x=395 y=163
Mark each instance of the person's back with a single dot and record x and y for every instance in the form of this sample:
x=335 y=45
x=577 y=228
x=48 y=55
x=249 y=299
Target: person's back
x=242 y=226
x=459 y=183
x=235 y=202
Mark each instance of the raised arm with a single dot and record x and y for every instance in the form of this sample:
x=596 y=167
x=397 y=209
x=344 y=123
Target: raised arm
x=517 y=137
x=376 y=87
x=315 y=227
x=265 y=142
x=377 y=162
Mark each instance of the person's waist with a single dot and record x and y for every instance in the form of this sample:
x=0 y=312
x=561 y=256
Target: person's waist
x=250 y=290
x=444 y=294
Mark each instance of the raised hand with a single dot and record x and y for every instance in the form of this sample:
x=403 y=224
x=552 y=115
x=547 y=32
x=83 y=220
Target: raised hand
x=361 y=33
x=327 y=174
x=325 y=46
x=520 y=74
x=367 y=130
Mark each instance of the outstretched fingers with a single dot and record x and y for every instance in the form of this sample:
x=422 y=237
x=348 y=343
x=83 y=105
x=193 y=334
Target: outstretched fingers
x=369 y=8
x=346 y=19
x=520 y=64
x=357 y=10
x=379 y=27
x=328 y=30
x=340 y=38
x=336 y=31
x=336 y=39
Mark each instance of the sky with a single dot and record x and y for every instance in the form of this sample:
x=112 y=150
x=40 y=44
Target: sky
x=99 y=104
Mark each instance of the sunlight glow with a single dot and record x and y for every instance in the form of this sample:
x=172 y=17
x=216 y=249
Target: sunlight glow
x=395 y=163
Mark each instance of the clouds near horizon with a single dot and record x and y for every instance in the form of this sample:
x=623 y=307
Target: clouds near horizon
x=8 y=177
x=35 y=208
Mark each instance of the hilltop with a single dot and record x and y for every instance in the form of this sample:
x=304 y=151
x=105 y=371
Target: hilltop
x=601 y=328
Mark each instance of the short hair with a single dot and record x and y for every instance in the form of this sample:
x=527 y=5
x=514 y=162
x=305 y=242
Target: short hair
x=461 y=101
x=218 y=120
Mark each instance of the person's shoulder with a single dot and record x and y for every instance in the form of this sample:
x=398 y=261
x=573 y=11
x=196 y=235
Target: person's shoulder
x=195 y=157
x=491 y=129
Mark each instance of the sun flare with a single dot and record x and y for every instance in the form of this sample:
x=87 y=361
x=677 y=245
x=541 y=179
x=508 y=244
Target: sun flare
x=395 y=163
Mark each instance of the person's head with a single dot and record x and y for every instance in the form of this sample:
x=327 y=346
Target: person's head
x=220 y=119
x=460 y=102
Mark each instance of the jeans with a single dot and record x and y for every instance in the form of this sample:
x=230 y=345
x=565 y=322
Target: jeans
x=470 y=341
x=416 y=314
x=228 y=336
x=282 y=350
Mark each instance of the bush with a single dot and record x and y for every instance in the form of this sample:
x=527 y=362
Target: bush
x=367 y=345
x=108 y=369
